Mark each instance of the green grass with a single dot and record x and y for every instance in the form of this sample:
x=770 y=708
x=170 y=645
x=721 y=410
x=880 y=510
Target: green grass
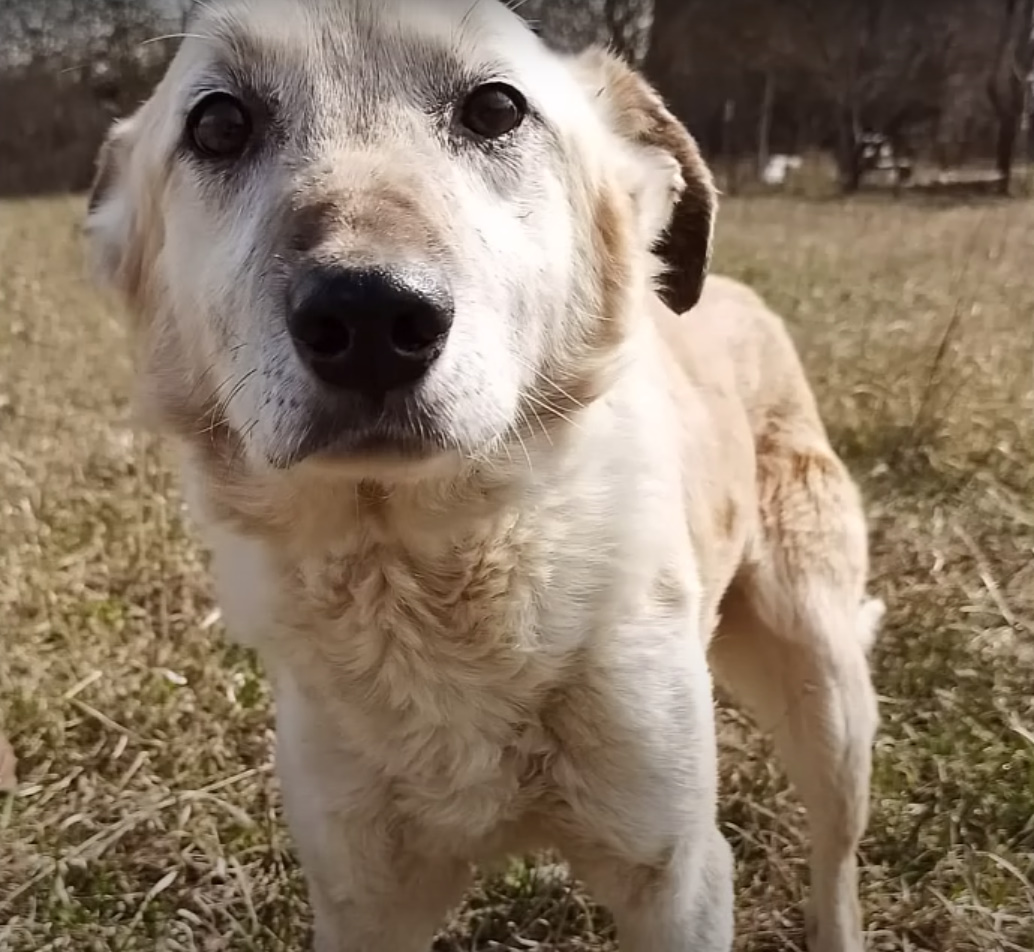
x=148 y=814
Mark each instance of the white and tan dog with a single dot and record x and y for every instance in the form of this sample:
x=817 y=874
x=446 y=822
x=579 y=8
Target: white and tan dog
x=491 y=511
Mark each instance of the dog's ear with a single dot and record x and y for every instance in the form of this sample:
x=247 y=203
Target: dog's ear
x=110 y=214
x=670 y=182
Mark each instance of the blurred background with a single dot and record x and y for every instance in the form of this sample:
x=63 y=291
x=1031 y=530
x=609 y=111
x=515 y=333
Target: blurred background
x=873 y=156
x=863 y=92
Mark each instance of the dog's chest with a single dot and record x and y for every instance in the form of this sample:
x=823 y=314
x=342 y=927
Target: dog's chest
x=434 y=669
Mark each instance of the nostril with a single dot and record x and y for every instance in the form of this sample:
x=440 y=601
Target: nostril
x=417 y=331
x=369 y=329
x=324 y=337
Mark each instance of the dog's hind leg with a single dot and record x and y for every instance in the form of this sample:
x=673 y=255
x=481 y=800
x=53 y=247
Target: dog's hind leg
x=792 y=647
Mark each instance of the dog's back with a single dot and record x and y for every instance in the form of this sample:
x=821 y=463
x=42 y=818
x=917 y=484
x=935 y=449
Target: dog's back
x=732 y=339
x=747 y=408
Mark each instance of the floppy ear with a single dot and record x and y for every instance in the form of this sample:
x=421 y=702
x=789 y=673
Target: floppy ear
x=110 y=215
x=670 y=182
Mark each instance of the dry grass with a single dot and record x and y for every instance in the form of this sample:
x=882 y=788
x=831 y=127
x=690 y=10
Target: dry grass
x=147 y=817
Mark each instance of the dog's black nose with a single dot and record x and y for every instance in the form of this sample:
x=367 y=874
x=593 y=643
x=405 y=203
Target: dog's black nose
x=370 y=329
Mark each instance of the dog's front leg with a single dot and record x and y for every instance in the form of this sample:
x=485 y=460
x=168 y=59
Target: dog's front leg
x=643 y=795
x=390 y=908
x=371 y=886
x=680 y=902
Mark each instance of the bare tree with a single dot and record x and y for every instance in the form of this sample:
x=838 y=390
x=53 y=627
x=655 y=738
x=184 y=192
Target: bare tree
x=66 y=66
x=1009 y=84
x=878 y=64
x=629 y=24
x=749 y=77
x=572 y=25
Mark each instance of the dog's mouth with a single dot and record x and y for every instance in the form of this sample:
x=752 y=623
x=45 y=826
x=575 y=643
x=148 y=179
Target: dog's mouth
x=399 y=428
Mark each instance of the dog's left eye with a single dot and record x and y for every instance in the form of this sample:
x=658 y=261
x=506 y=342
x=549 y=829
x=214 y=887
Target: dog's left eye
x=493 y=110
x=219 y=127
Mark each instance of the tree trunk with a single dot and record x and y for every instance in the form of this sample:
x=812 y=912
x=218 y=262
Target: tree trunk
x=728 y=152
x=765 y=123
x=849 y=156
x=1005 y=151
x=1007 y=87
x=660 y=64
x=1024 y=130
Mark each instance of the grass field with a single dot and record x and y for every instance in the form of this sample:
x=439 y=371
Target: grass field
x=148 y=816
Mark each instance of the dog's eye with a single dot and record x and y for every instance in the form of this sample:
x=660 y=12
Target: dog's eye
x=219 y=127
x=493 y=110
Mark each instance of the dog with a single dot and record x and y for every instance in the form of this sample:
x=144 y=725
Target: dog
x=410 y=292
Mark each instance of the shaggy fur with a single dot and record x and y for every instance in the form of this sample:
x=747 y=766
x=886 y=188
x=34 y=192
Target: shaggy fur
x=505 y=639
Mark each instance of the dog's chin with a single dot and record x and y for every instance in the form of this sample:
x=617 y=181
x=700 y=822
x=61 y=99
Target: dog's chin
x=412 y=447
x=375 y=454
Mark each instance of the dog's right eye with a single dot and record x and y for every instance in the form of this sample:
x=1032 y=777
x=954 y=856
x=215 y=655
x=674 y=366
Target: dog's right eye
x=219 y=127
x=493 y=110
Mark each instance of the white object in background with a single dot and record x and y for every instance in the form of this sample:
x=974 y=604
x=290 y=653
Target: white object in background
x=775 y=172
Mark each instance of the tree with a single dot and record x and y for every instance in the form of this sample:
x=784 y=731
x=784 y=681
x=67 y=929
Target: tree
x=66 y=67
x=1010 y=82
x=572 y=25
x=630 y=24
x=814 y=72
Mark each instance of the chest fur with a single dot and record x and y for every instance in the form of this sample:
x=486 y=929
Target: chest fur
x=411 y=635
x=434 y=667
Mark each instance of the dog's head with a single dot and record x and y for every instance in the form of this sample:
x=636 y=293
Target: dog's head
x=374 y=230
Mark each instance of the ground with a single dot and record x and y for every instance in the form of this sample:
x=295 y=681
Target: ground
x=148 y=815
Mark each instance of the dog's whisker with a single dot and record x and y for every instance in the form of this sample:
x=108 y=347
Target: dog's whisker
x=552 y=410
x=172 y=36
x=528 y=422
x=238 y=387
x=524 y=449
x=549 y=382
x=248 y=429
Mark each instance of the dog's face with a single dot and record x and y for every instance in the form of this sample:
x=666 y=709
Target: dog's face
x=369 y=230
